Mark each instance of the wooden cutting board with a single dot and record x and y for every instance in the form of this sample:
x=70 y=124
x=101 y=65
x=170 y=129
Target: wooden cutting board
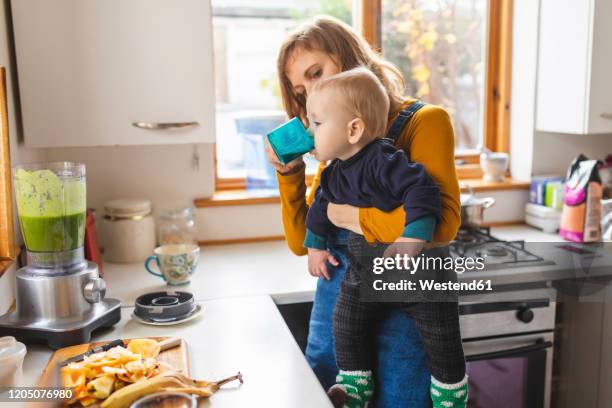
x=176 y=357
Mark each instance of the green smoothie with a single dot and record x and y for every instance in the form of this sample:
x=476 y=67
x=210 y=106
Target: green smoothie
x=51 y=209
x=53 y=234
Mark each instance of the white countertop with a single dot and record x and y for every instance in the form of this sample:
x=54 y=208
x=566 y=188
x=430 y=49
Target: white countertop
x=524 y=232
x=241 y=329
x=244 y=334
x=266 y=268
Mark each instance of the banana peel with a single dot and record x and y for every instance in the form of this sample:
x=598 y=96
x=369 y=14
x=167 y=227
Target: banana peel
x=167 y=381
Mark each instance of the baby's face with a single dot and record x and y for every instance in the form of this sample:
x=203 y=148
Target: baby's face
x=329 y=120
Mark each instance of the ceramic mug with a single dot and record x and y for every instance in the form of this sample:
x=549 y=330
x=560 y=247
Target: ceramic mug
x=176 y=262
x=494 y=165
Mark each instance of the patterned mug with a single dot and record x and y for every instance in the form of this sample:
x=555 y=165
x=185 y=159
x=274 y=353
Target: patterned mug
x=176 y=262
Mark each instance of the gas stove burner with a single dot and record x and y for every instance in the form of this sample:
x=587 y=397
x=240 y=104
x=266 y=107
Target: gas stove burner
x=495 y=251
x=466 y=237
x=479 y=243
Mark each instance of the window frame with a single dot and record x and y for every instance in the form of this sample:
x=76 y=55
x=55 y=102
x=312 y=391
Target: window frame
x=7 y=233
x=496 y=133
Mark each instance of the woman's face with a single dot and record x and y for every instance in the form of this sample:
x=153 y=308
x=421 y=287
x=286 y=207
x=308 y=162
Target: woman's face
x=305 y=67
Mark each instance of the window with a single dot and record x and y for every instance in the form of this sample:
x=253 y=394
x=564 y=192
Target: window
x=454 y=53
x=440 y=48
x=247 y=37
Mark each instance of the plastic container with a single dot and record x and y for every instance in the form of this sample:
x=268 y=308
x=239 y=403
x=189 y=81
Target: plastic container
x=12 y=354
x=128 y=230
x=545 y=218
x=290 y=140
x=555 y=194
x=537 y=193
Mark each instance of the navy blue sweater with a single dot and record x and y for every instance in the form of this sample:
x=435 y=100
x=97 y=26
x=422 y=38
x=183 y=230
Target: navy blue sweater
x=380 y=176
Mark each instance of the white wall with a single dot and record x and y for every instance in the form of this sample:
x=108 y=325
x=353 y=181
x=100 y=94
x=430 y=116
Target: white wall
x=553 y=152
x=19 y=153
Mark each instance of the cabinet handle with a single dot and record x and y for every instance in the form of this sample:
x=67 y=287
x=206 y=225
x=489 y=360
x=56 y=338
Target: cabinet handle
x=606 y=116
x=161 y=126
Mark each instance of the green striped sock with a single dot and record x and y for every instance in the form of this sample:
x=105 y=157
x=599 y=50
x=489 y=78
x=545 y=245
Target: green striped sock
x=449 y=395
x=358 y=386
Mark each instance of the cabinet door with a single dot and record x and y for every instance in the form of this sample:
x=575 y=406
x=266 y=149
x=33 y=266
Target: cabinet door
x=90 y=70
x=600 y=109
x=563 y=68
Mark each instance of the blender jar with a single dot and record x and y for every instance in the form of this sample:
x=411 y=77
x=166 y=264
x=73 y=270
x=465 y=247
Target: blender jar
x=51 y=205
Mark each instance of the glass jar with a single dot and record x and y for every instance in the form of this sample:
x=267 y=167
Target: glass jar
x=177 y=226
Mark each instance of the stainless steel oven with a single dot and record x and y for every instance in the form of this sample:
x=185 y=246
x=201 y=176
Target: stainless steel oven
x=508 y=342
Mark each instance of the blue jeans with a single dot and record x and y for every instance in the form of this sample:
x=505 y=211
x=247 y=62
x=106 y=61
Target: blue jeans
x=402 y=375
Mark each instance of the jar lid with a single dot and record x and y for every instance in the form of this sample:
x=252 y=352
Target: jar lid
x=178 y=212
x=126 y=207
x=11 y=348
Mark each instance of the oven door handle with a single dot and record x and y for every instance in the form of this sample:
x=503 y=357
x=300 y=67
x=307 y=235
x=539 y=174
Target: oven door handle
x=540 y=345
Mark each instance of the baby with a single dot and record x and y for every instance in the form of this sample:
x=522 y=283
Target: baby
x=348 y=113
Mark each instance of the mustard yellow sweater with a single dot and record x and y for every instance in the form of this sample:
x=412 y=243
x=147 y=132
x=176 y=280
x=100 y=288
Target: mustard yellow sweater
x=429 y=140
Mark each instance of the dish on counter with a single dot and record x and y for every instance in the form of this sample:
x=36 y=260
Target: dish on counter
x=195 y=313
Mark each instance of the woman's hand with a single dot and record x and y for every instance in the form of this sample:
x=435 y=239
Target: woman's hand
x=317 y=259
x=344 y=216
x=284 y=169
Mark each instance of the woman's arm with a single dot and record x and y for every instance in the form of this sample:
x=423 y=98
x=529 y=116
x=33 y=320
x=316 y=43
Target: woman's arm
x=430 y=140
x=294 y=205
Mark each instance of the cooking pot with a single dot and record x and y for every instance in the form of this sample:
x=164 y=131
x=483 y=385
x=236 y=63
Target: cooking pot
x=472 y=209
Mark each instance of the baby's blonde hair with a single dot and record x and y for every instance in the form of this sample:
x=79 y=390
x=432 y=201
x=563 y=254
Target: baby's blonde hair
x=363 y=95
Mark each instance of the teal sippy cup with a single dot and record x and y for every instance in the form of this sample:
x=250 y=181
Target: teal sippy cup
x=290 y=140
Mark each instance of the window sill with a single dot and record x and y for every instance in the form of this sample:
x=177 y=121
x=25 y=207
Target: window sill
x=479 y=185
x=243 y=197
x=235 y=197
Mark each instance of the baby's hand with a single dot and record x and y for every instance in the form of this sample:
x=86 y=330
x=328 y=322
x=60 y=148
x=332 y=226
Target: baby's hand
x=404 y=246
x=316 y=262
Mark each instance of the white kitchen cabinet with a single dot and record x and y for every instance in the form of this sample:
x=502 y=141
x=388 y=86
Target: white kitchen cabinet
x=115 y=72
x=575 y=67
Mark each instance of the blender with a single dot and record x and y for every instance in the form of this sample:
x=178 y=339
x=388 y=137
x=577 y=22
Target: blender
x=60 y=297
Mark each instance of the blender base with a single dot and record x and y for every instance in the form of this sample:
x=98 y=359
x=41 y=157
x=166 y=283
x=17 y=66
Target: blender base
x=60 y=333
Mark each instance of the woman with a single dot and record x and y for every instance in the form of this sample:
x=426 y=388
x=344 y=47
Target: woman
x=321 y=48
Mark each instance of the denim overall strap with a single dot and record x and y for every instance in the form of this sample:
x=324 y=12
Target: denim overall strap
x=402 y=119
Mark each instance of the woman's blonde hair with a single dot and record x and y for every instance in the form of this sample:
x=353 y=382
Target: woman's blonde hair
x=348 y=49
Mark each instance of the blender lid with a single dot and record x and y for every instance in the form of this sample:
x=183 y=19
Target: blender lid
x=11 y=348
x=163 y=306
x=126 y=207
